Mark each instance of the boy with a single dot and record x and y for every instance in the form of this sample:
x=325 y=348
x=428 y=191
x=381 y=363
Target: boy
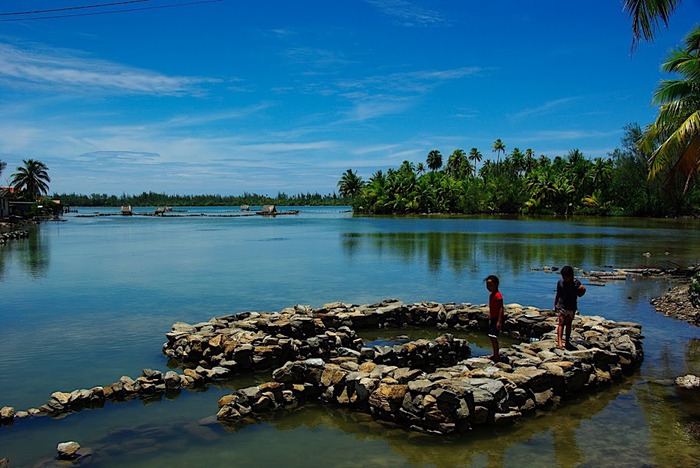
x=569 y=290
x=495 y=314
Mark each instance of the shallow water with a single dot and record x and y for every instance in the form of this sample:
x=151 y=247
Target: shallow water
x=88 y=300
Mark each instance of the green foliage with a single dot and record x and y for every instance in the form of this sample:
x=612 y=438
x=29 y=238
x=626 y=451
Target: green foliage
x=521 y=183
x=31 y=180
x=161 y=199
x=694 y=290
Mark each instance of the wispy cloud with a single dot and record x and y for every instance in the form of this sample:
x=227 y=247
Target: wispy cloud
x=408 y=13
x=419 y=81
x=35 y=67
x=546 y=108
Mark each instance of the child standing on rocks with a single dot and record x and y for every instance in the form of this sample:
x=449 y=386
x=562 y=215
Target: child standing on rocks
x=569 y=289
x=495 y=314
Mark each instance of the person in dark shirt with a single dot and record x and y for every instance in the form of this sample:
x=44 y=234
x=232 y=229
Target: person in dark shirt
x=495 y=314
x=569 y=289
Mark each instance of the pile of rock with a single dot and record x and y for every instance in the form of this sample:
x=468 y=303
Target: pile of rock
x=152 y=383
x=429 y=385
x=5 y=237
x=676 y=303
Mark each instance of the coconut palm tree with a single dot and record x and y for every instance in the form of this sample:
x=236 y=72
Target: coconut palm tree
x=674 y=138
x=457 y=163
x=31 y=179
x=529 y=160
x=498 y=148
x=434 y=160
x=518 y=159
x=647 y=15
x=474 y=157
x=350 y=184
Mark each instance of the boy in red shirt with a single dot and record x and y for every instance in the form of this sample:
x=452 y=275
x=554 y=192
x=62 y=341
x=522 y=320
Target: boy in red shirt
x=495 y=314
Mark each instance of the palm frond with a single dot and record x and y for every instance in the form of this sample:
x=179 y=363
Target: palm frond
x=646 y=16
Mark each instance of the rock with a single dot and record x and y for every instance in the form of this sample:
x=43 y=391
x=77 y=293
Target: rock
x=7 y=414
x=688 y=381
x=68 y=450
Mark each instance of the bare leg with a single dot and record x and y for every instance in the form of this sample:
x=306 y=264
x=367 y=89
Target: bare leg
x=568 y=330
x=494 y=343
x=560 y=329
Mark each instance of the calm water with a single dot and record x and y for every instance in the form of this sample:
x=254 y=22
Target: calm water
x=88 y=300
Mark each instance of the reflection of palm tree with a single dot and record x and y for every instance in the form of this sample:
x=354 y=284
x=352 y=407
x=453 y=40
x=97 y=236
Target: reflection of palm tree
x=675 y=135
x=34 y=254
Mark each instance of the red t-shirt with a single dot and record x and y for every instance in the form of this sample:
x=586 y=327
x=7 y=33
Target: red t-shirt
x=495 y=304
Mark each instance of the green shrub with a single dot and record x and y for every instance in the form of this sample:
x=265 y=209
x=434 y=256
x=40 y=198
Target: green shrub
x=694 y=289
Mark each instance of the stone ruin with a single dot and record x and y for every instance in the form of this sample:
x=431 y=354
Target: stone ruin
x=434 y=386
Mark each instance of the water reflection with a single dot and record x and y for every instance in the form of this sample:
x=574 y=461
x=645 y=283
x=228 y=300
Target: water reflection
x=337 y=432
x=461 y=251
x=31 y=253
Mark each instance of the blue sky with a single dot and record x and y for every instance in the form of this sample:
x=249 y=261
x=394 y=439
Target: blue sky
x=266 y=96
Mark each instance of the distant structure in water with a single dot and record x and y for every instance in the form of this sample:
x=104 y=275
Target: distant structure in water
x=126 y=210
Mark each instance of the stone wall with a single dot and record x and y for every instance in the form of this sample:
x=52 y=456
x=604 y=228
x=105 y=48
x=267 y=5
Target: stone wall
x=428 y=385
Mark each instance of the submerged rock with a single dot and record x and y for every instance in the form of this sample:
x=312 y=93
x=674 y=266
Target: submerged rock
x=689 y=381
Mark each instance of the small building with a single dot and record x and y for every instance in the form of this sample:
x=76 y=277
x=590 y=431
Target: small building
x=126 y=210
x=5 y=195
x=245 y=207
x=269 y=209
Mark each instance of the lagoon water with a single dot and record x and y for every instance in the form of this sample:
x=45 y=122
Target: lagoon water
x=85 y=301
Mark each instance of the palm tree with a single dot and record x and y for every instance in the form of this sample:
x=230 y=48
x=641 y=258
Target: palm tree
x=646 y=16
x=350 y=184
x=420 y=168
x=674 y=138
x=31 y=179
x=434 y=160
x=498 y=148
x=529 y=160
x=601 y=173
x=475 y=157
x=457 y=163
x=518 y=159
x=3 y=165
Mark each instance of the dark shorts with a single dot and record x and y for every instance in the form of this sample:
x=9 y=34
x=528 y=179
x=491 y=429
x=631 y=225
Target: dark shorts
x=566 y=315
x=493 y=328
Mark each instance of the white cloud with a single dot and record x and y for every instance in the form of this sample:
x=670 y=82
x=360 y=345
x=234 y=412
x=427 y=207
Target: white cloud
x=546 y=108
x=408 y=13
x=61 y=69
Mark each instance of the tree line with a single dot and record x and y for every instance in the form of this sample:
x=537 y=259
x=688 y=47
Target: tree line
x=161 y=199
x=521 y=183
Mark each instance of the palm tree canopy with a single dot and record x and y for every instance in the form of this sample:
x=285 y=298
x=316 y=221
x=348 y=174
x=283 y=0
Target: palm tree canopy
x=32 y=178
x=434 y=160
x=674 y=138
x=647 y=15
x=350 y=184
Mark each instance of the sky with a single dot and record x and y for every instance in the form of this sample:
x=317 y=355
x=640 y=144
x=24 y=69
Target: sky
x=267 y=96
